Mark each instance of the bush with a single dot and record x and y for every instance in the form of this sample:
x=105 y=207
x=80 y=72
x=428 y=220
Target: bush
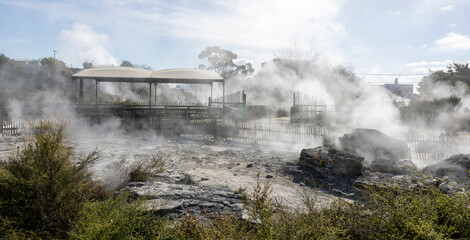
x=141 y=170
x=43 y=186
x=397 y=213
x=119 y=218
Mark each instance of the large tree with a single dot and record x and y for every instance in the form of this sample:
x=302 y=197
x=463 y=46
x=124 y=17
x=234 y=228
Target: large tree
x=222 y=61
x=456 y=78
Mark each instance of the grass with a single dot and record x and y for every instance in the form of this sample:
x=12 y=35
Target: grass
x=142 y=170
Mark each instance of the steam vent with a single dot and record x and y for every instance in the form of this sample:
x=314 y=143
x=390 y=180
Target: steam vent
x=293 y=148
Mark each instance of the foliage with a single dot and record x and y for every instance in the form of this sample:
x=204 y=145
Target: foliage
x=119 y=218
x=397 y=213
x=43 y=186
x=222 y=61
x=142 y=170
x=429 y=111
x=87 y=65
x=456 y=74
x=19 y=78
x=126 y=63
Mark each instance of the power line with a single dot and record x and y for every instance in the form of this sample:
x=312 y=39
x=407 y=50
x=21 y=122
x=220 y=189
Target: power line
x=393 y=74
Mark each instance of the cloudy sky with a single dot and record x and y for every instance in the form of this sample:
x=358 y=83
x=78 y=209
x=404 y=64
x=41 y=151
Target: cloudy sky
x=368 y=36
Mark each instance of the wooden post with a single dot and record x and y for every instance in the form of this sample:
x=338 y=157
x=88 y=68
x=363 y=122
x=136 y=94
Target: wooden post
x=210 y=102
x=96 y=92
x=244 y=99
x=71 y=91
x=156 y=85
x=223 y=94
x=150 y=95
x=2 y=119
x=80 y=96
x=294 y=100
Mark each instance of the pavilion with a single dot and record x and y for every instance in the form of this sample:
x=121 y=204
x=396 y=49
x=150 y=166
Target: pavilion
x=139 y=75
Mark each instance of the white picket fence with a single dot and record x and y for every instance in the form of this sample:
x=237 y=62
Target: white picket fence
x=423 y=146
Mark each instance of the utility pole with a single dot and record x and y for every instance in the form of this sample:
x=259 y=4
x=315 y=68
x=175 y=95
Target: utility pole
x=54 y=52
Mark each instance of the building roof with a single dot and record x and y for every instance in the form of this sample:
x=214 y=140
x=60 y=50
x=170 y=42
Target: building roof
x=185 y=75
x=109 y=73
x=130 y=74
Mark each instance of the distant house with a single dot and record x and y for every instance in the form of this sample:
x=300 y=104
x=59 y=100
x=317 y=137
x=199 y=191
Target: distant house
x=403 y=90
x=22 y=61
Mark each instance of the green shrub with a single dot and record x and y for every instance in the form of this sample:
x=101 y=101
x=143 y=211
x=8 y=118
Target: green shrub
x=397 y=213
x=43 y=186
x=119 y=218
x=142 y=170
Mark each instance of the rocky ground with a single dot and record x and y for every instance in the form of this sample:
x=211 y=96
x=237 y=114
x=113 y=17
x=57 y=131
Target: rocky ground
x=212 y=168
x=207 y=175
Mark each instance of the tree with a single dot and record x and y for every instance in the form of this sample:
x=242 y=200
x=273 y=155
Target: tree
x=3 y=59
x=456 y=76
x=87 y=65
x=222 y=61
x=126 y=63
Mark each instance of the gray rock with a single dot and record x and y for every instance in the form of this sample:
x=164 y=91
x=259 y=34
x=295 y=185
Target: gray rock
x=456 y=167
x=399 y=167
x=326 y=168
x=384 y=154
x=331 y=161
x=171 y=193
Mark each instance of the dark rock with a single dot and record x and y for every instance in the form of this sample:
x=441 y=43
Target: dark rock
x=269 y=176
x=166 y=194
x=373 y=144
x=331 y=161
x=385 y=154
x=326 y=168
x=399 y=167
x=249 y=165
x=456 y=167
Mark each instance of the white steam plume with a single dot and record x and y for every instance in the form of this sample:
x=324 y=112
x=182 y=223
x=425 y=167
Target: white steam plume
x=82 y=43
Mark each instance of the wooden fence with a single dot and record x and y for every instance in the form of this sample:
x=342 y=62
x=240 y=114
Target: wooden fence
x=282 y=134
x=235 y=99
x=306 y=108
x=423 y=146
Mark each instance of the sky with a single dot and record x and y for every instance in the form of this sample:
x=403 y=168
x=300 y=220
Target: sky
x=369 y=37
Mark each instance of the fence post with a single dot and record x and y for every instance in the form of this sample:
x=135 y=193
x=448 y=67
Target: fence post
x=2 y=119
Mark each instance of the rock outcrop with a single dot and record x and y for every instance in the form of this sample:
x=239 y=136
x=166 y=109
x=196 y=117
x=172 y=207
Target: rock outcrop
x=173 y=193
x=329 y=161
x=327 y=168
x=383 y=153
x=456 y=167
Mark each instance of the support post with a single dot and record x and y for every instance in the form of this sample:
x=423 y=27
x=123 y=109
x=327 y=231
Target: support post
x=72 y=99
x=210 y=99
x=244 y=99
x=80 y=95
x=156 y=84
x=294 y=100
x=223 y=94
x=96 y=92
x=150 y=95
x=2 y=119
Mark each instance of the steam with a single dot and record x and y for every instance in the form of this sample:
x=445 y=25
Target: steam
x=82 y=43
x=364 y=105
